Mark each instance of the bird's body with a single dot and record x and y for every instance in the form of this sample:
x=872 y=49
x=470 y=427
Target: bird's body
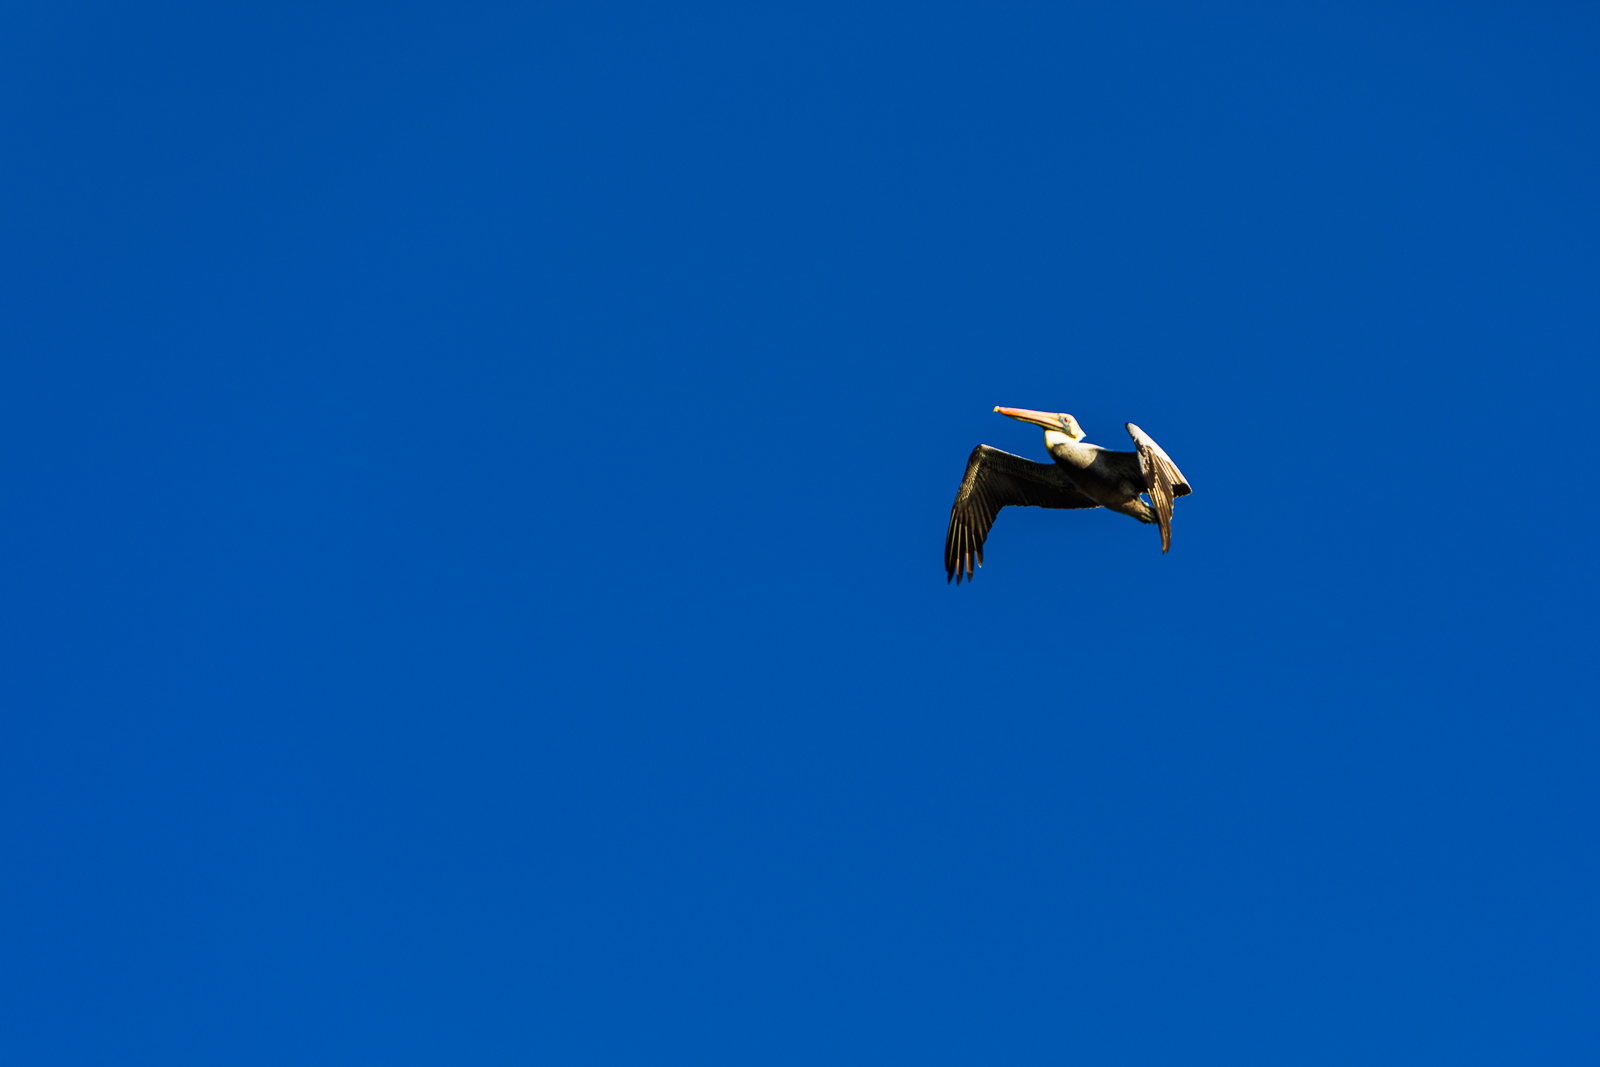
x=1083 y=476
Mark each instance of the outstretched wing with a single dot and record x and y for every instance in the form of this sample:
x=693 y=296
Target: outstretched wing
x=994 y=480
x=1162 y=480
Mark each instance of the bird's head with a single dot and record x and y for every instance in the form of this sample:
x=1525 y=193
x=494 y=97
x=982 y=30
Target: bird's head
x=1059 y=421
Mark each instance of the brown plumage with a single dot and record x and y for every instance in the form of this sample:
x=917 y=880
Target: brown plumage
x=1083 y=476
x=1163 y=481
x=994 y=480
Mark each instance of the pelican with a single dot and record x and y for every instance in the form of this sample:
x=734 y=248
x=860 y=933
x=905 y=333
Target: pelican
x=1082 y=476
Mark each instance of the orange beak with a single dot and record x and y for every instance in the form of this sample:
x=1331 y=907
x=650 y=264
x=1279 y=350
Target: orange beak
x=1048 y=419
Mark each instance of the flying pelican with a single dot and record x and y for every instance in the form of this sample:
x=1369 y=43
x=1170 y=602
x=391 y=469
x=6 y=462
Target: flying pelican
x=1083 y=476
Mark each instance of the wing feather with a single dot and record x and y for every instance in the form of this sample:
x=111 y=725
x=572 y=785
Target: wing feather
x=995 y=480
x=1162 y=480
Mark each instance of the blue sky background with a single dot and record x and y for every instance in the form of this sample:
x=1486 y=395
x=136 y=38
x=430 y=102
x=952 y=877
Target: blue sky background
x=474 y=491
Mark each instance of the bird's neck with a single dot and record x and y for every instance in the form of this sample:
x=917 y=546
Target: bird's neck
x=1068 y=449
x=1056 y=437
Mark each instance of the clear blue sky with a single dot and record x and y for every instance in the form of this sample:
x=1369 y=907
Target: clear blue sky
x=474 y=488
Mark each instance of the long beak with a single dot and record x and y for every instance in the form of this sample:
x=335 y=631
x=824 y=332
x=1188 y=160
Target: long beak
x=1048 y=419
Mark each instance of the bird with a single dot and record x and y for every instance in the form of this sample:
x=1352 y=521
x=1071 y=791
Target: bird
x=1082 y=476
